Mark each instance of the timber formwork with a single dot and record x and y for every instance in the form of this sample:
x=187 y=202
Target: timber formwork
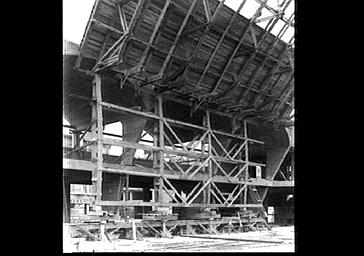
x=137 y=230
x=215 y=163
x=205 y=166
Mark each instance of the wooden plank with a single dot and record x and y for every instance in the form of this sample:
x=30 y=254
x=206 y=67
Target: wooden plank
x=127 y=144
x=258 y=68
x=206 y=27
x=240 y=171
x=218 y=199
x=193 y=190
x=221 y=169
x=194 y=197
x=199 y=168
x=211 y=57
x=232 y=56
x=176 y=164
x=112 y=48
x=73 y=164
x=136 y=16
x=122 y=18
x=243 y=94
x=274 y=70
x=138 y=203
x=152 y=228
x=161 y=145
x=231 y=194
x=154 y=33
x=174 y=190
x=86 y=35
x=286 y=91
x=209 y=141
x=98 y=85
x=83 y=230
x=173 y=133
x=236 y=196
x=239 y=150
x=207 y=10
x=220 y=193
x=221 y=146
x=179 y=33
x=101 y=24
x=235 y=239
x=170 y=195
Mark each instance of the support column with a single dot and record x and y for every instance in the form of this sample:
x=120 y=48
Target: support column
x=161 y=145
x=97 y=131
x=76 y=139
x=127 y=192
x=205 y=192
x=133 y=226
x=292 y=165
x=247 y=160
x=102 y=231
x=155 y=197
x=209 y=141
x=66 y=200
x=229 y=226
x=165 y=231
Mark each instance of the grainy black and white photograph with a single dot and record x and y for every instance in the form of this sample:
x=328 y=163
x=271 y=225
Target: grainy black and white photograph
x=178 y=126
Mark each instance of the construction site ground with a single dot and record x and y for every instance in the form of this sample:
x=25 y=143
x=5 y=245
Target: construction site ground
x=284 y=235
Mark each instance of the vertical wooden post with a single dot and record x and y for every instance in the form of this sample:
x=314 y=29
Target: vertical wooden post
x=102 y=231
x=66 y=200
x=127 y=193
x=292 y=166
x=208 y=124
x=165 y=231
x=205 y=191
x=76 y=139
x=161 y=145
x=97 y=94
x=133 y=226
x=120 y=193
x=247 y=161
x=155 y=154
x=93 y=146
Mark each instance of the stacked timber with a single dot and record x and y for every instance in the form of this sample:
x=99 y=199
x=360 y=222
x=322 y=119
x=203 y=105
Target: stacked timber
x=159 y=216
x=205 y=215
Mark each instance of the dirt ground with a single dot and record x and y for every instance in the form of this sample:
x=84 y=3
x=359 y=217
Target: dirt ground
x=284 y=235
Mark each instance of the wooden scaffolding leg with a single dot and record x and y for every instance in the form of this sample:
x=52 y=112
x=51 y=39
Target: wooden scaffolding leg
x=97 y=133
x=134 y=231
x=66 y=200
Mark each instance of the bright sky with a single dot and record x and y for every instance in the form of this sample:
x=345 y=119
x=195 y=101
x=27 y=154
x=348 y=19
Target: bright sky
x=77 y=12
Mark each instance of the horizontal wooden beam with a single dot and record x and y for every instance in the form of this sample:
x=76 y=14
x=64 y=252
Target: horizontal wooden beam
x=169 y=223
x=84 y=165
x=140 y=203
x=109 y=106
x=234 y=239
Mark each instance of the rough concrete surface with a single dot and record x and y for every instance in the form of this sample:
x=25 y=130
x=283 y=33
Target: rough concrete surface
x=188 y=244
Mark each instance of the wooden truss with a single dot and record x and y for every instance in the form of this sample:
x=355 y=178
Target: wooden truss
x=205 y=155
x=112 y=58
